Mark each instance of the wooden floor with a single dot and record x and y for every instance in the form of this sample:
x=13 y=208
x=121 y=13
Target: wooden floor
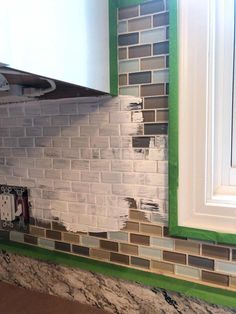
x=14 y=300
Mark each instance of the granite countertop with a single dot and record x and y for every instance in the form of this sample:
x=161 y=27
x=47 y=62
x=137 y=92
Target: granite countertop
x=110 y=294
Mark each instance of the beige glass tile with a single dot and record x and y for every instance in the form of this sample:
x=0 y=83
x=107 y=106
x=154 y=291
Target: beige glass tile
x=153 y=63
x=129 y=249
x=162 y=267
x=187 y=246
x=139 y=23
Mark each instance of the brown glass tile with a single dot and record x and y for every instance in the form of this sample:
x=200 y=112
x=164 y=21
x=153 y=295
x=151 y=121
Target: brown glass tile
x=98 y=234
x=153 y=63
x=215 y=251
x=128 y=12
x=119 y=258
x=162 y=115
x=139 y=78
x=137 y=215
x=155 y=102
x=82 y=250
x=129 y=249
x=4 y=235
x=109 y=245
x=131 y=226
x=140 y=51
x=139 y=239
x=43 y=223
x=128 y=39
x=139 y=23
x=58 y=226
x=152 y=89
x=30 y=239
x=39 y=232
x=187 y=246
x=122 y=53
x=151 y=229
x=148 y=116
x=232 y=281
x=161 y=19
x=143 y=141
x=99 y=254
x=161 y=48
x=140 y=262
x=201 y=262
x=155 y=128
x=152 y=7
x=56 y=235
x=62 y=246
x=174 y=257
x=70 y=237
x=162 y=267
x=122 y=79
x=215 y=278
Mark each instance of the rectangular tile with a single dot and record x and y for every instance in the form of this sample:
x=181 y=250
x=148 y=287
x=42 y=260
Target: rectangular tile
x=215 y=251
x=131 y=226
x=225 y=267
x=4 y=235
x=16 y=236
x=152 y=90
x=234 y=254
x=161 y=19
x=187 y=271
x=62 y=246
x=30 y=239
x=119 y=258
x=215 y=278
x=140 y=78
x=122 y=27
x=141 y=141
x=58 y=226
x=128 y=66
x=70 y=237
x=128 y=39
x=99 y=254
x=47 y=244
x=155 y=128
x=56 y=235
x=137 y=215
x=162 y=242
x=152 y=7
x=232 y=282
x=39 y=232
x=162 y=115
x=99 y=234
x=109 y=245
x=129 y=249
x=118 y=236
x=151 y=229
x=160 y=76
x=139 y=51
x=150 y=252
x=162 y=267
x=140 y=262
x=152 y=63
x=89 y=241
x=139 y=239
x=153 y=35
x=82 y=250
x=148 y=116
x=123 y=79
x=201 y=262
x=155 y=102
x=187 y=246
x=174 y=257
x=139 y=23
x=161 y=48
x=129 y=90
x=122 y=53
x=128 y=12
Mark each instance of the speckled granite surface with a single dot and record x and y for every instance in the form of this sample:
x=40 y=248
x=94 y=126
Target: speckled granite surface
x=110 y=294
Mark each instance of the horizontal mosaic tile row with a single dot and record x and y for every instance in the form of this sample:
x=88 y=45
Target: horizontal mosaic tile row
x=140 y=245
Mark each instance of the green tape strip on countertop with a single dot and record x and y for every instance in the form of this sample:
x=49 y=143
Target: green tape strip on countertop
x=206 y=293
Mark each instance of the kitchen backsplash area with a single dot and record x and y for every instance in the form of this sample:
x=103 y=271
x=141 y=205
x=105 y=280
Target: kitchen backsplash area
x=96 y=168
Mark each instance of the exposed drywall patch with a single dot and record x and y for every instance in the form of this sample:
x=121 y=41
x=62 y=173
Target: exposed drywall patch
x=137 y=116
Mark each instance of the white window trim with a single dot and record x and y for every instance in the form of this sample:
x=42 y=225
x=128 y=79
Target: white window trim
x=206 y=200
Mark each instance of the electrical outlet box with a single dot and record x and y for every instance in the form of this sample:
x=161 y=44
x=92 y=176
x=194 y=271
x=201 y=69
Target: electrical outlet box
x=7 y=207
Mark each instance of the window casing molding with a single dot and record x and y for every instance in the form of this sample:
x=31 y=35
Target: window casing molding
x=205 y=196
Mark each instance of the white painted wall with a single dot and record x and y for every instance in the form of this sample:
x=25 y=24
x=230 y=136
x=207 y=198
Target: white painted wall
x=66 y=40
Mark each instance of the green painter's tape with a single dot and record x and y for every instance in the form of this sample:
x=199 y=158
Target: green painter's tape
x=113 y=47
x=209 y=294
x=175 y=229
